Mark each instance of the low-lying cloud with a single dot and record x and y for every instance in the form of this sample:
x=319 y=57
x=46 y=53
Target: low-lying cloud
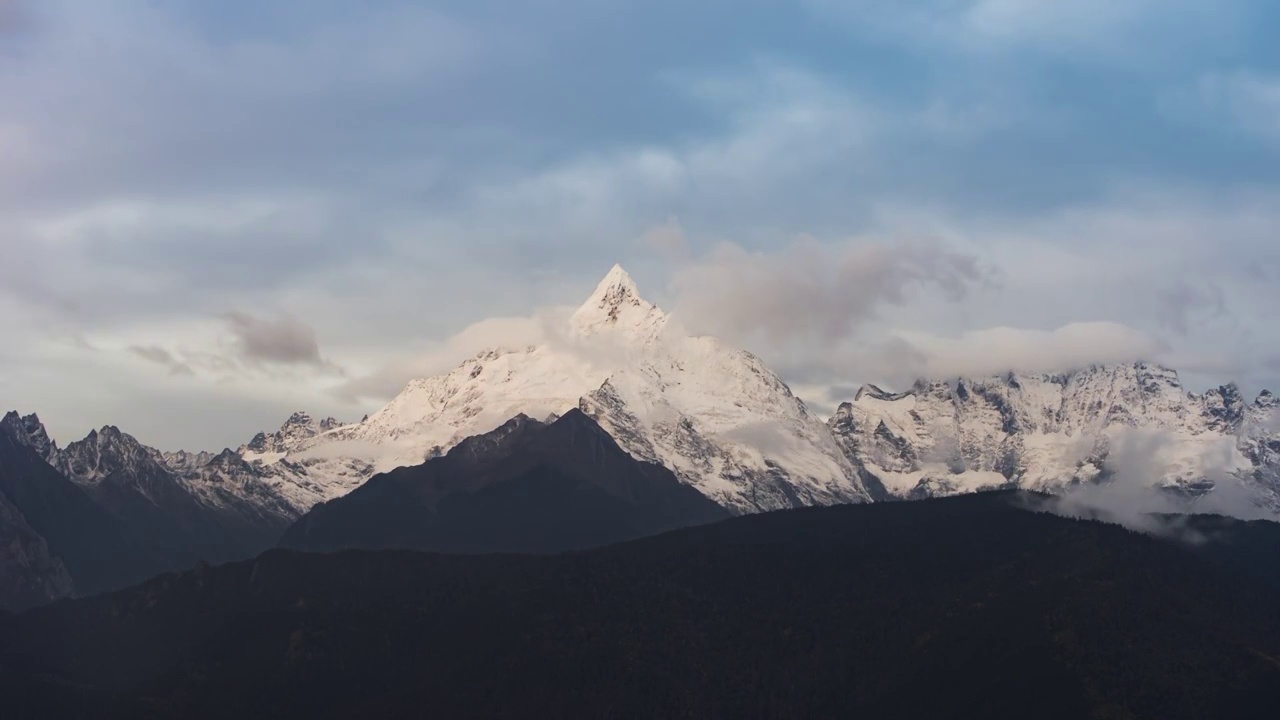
x=1133 y=492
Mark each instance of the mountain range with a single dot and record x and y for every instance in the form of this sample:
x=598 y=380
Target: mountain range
x=1047 y=432
x=664 y=406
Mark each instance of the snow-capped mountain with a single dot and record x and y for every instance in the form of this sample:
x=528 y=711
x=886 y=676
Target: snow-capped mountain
x=525 y=487
x=714 y=415
x=717 y=418
x=1048 y=431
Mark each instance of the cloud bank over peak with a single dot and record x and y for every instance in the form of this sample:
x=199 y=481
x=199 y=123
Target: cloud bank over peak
x=367 y=182
x=993 y=351
x=811 y=292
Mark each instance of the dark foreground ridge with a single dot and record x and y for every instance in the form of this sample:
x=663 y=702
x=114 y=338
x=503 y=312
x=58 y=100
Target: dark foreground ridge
x=526 y=487
x=963 y=607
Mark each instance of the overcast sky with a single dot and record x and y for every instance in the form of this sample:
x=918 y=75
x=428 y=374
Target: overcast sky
x=215 y=213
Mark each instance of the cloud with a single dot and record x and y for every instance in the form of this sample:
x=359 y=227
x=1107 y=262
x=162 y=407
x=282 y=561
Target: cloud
x=1132 y=492
x=388 y=175
x=390 y=378
x=667 y=240
x=1185 y=300
x=810 y=292
x=162 y=357
x=894 y=358
x=282 y=341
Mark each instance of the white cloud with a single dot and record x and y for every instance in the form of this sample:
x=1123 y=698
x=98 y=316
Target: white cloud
x=1131 y=494
x=386 y=381
x=387 y=177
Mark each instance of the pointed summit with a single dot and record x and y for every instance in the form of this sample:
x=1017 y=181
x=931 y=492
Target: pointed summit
x=616 y=290
x=616 y=304
x=617 y=278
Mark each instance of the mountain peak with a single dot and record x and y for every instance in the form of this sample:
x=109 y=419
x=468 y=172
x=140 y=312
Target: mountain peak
x=616 y=290
x=29 y=431
x=617 y=277
x=616 y=303
x=299 y=417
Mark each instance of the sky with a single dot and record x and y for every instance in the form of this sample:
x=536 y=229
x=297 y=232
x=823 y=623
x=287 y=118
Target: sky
x=213 y=214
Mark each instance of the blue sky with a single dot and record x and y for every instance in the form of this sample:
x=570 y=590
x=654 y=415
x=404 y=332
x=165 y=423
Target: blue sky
x=212 y=214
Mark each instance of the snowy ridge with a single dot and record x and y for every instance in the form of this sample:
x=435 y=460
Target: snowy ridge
x=225 y=482
x=1048 y=431
x=712 y=414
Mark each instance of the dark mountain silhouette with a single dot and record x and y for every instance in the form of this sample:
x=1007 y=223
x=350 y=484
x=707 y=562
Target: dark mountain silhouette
x=106 y=512
x=964 y=607
x=96 y=550
x=132 y=482
x=29 y=573
x=526 y=487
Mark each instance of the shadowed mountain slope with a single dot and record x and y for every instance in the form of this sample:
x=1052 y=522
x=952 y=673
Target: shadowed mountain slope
x=525 y=487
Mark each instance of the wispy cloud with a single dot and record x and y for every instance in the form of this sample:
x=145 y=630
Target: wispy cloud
x=812 y=292
x=283 y=340
x=992 y=351
x=162 y=357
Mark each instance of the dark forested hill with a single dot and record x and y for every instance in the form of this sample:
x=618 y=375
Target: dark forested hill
x=963 y=607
